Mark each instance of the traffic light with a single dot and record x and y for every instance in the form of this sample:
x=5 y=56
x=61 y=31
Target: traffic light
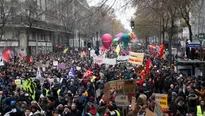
x=89 y=45
x=132 y=24
x=166 y=46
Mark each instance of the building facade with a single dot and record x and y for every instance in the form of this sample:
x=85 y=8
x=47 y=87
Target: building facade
x=40 y=26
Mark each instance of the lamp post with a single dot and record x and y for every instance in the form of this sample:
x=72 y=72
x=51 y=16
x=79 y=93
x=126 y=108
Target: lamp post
x=74 y=24
x=201 y=38
x=97 y=40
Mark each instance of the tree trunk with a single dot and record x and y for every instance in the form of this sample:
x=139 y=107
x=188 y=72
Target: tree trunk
x=190 y=31
x=170 y=40
x=163 y=30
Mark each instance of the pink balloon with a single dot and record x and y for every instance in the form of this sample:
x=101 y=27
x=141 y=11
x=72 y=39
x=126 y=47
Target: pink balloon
x=119 y=35
x=106 y=40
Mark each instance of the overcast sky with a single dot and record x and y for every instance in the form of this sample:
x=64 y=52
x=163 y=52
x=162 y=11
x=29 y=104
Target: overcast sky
x=123 y=13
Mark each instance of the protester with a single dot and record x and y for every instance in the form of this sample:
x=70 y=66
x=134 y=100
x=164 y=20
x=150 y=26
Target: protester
x=75 y=86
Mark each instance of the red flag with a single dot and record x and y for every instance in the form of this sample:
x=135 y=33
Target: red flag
x=88 y=73
x=143 y=75
x=148 y=65
x=30 y=60
x=6 y=54
x=161 y=52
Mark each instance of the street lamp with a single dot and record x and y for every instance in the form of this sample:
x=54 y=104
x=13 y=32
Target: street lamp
x=97 y=40
x=201 y=38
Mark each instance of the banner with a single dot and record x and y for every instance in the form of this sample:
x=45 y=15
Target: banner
x=121 y=100
x=98 y=60
x=109 y=61
x=162 y=100
x=136 y=58
x=122 y=58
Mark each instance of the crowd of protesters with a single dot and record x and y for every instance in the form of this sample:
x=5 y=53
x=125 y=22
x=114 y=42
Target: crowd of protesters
x=57 y=94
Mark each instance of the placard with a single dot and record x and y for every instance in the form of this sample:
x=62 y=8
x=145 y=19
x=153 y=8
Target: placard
x=121 y=100
x=38 y=64
x=158 y=110
x=133 y=103
x=120 y=86
x=47 y=63
x=1 y=61
x=112 y=85
x=129 y=86
x=136 y=58
x=62 y=65
x=98 y=60
x=55 y=63
x=107 y=92
x=122 y=58
x=78 y=68
x=109 y=61
x=162 y=100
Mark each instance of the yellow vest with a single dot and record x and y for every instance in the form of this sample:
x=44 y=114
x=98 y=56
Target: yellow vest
x=118 y=113
x=47 y=92
x=58 y=92
x=199 y=112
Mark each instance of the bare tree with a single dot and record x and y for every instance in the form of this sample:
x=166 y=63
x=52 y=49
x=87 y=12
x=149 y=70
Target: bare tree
x=6 y=12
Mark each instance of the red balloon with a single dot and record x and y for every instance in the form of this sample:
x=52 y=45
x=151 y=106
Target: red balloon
x=106 y=40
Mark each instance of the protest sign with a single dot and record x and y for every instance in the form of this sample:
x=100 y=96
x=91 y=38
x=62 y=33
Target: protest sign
x=112 y=85
x=47 y=63
x=38 y=64
x=1 y=61
x=120 y=86
x=62 y=65
x=121 y=58
x=121 y=100
x=109 y=61
x=55 y=63
x=133 y=103
x=136 y=58
x=98 y=60
x=107 y=91
x=78 y=68
x=162 y=100
x=92 y=53
x=158 y=110
x=129 y=86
